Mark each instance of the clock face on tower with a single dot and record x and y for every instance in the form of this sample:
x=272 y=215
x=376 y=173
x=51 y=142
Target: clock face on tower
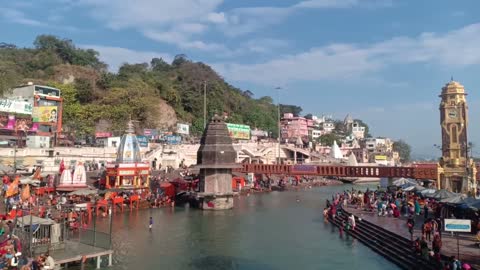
x=452 y=115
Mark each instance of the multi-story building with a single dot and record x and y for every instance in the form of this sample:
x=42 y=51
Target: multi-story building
x=293 y=127
x=43 y=107
x=327 y=126
x=358 y=131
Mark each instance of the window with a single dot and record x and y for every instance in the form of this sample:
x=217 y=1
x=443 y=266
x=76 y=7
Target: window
x=454 y=134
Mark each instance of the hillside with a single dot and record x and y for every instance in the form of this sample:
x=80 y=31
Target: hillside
x=157 y=94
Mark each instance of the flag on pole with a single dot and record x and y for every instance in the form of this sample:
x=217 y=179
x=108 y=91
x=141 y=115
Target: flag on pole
x=26 y=193
x=12 y=189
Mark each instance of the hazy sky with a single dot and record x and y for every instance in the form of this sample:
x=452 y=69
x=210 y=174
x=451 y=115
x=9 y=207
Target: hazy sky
x=383 y=61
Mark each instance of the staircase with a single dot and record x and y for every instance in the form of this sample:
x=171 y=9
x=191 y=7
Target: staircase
x=393 y=247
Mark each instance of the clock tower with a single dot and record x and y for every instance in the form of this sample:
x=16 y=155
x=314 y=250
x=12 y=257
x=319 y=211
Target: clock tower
x=457 y=171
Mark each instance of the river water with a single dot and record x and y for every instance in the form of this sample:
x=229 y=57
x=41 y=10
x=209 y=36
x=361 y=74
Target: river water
x=269 y=231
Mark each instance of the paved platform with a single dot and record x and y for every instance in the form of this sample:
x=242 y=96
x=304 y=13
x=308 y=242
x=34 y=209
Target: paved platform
x=469 y=252
x=74 y=251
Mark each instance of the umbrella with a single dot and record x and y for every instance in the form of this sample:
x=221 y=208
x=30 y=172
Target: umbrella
x=29 y=181
x=473 y=204
x=443 y=194
x=455 y=200
x=414 y=188
x=84 y=192
x=404 y=181
x=428 y=191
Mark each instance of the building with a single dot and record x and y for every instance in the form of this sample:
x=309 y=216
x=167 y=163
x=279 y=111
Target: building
x=357 y=130
x=293 y=127
x=457 y=172
x=43 y=107
x=327 y=126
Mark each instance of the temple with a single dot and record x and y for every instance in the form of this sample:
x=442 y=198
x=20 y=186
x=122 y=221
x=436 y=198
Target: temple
x=128 y=171
x=70 y=181
x=216 y=159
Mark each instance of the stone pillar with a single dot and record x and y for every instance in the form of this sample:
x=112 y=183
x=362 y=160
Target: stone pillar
x=215 y=160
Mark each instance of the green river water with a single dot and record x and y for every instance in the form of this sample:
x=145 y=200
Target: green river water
x=270 y=231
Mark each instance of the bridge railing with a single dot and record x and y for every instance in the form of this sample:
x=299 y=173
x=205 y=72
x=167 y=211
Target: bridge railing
x=341 y=171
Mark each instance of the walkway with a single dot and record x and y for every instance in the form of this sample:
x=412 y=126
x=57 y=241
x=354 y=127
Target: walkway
x=469 y=252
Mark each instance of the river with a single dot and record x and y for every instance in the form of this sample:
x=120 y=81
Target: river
x=270 y=231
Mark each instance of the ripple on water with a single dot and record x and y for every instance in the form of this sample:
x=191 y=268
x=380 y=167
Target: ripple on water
x=226 y=263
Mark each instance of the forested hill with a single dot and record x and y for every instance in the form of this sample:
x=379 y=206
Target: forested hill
x=157 y=94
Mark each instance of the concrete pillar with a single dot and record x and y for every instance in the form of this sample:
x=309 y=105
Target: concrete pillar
x=99 y=261
x=294 y=157
x=110 y=259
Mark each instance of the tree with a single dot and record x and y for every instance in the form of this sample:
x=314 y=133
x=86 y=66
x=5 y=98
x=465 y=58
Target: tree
x=309 y=116
x=85 y=93
x=328 y=139
x=159 y=65
x=293 y=109
x=403 y=149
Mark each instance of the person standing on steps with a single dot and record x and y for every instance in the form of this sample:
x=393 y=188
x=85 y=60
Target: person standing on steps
x=410 y=225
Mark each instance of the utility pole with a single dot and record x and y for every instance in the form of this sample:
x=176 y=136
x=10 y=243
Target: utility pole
x=205 y=104
x=279 y=124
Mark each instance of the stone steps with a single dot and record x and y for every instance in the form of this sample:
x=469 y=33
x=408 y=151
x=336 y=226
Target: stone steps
x=388 y=244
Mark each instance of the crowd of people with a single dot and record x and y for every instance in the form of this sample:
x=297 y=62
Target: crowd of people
x=395 y=204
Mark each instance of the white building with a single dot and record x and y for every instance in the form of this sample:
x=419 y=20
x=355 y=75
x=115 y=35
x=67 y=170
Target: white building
x=328 y=127
x=357 y=130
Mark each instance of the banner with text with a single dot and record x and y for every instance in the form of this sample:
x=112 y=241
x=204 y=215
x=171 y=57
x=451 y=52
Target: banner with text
x=240 y=132
x=45 y=114
x=458 y=225
x=142 y=140
x=183 y=129
x=15 y=106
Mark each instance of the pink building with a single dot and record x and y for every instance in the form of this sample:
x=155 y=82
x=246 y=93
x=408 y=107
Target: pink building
x=293 y=126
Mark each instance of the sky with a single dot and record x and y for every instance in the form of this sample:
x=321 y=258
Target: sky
x=383 y=61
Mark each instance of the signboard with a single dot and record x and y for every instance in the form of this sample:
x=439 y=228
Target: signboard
x=142 y=141
x=47 y=91
x=183 y=129
x=15 y=106
x=103 y=134
x=45 y=114
x=304 y=169
x=380 y=157
x=458 y=225
x=18 y=123
x=173 y=139
x=240 y=132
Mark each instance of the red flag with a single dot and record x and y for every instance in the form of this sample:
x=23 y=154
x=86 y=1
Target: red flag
x=62 y=166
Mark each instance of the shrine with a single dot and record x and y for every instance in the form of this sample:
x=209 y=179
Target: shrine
x=216 y=159
x=128 y=171
x=70 y=181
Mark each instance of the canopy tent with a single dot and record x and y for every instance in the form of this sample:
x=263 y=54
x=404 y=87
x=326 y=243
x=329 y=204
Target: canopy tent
x=29 y=181
x=443 y=194
x=414 y=188
x=84 y=192
x=25 y=221
x=404 y=182
x=459 y=199
x=428 y=191
x=473 y=204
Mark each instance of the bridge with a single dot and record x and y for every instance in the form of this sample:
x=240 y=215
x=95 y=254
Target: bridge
x=414 y=172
